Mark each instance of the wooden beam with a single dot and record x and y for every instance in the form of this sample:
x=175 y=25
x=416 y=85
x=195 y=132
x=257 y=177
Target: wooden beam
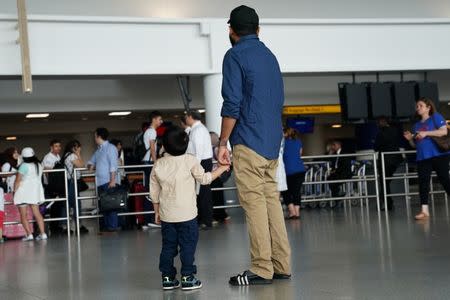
x=27 y=83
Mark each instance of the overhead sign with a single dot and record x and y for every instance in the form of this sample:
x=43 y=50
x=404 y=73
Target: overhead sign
x=312 y=109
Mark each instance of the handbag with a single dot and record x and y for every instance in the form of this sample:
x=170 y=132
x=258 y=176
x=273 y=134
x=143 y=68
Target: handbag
x=113 y=199
x=442 y=142
x=82 y=185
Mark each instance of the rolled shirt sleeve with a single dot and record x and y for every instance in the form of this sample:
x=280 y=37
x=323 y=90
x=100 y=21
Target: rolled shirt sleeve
x=231 y=86
x=113 y=159
x=93 y=160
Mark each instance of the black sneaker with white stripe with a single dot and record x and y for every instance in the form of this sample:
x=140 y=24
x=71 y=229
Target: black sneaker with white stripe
x=248 y=278
x=170 y=283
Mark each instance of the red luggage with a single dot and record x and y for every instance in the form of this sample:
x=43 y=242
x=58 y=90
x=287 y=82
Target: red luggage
x=12 y=215
x=137 y=202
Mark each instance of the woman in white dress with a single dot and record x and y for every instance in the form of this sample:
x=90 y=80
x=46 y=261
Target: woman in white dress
x=28 y=190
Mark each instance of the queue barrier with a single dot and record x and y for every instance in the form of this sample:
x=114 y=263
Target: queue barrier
x=50 y=200
x=406 y=176
x=360 y=178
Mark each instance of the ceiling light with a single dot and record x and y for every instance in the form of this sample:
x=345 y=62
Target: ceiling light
x=119 y=113
x=11 y=138
x=202 y=111
x=37 y=116
x=336 y=126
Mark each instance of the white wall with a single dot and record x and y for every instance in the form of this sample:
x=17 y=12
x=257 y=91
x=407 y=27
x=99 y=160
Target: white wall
x=220 y=9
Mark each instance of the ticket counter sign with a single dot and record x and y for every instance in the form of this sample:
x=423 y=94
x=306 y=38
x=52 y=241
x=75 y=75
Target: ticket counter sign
x=312 y=109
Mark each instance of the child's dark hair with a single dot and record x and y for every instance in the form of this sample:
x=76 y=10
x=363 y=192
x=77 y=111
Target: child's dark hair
x=175 y=141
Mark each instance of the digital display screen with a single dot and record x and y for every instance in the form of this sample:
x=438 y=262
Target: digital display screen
x=302 y=125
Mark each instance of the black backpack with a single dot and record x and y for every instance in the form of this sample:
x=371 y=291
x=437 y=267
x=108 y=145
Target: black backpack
x=139 y=149
x=56 y=185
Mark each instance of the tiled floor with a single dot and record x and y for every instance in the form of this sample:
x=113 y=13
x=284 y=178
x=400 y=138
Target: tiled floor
x=341 y=254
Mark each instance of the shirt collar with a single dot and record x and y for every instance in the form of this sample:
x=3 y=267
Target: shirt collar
x=247 y=37
x=196 y=123
x=105 y=143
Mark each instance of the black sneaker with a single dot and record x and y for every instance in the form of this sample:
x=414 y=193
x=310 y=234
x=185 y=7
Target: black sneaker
x=281 y=276
x=170 y=283
x=248 y=278
x=190 y=283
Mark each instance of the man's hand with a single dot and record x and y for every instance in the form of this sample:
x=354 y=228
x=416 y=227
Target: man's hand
x=112 y=184
x=224 y=156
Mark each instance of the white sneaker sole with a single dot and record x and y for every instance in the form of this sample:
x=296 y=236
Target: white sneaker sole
x=192 y=288
x=171 y=288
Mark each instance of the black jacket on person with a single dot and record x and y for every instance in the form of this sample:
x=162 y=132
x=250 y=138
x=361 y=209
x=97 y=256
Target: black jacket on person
x=387 y=139
x=341 y=167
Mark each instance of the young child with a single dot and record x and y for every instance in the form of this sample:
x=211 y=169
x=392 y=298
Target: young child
x=28 y=190
x=2 y=212
x=172 y=190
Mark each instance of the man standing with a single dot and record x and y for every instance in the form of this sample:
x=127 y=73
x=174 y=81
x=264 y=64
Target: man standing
x=105 y=162
x=200 y=146
x=388 y=139
x=58 y=208
x=253 y=95
x=150 y=136
x=341 y=168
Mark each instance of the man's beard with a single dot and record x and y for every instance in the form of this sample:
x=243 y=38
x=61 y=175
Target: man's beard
x=231 y=40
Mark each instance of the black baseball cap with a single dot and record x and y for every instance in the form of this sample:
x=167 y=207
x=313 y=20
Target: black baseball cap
x=243 y=16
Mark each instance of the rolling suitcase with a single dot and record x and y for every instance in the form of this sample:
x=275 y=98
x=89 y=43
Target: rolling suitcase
x=137 y=202
x=12 y=214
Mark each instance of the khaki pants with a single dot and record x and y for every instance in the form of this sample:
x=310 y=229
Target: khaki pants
x=255 y=180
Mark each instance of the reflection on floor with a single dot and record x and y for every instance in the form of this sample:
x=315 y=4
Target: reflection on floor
x=348 y=253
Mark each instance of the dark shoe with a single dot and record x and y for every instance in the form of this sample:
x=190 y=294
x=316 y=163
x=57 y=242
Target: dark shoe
x=248 y=278
x=281 y=276
x=170 y=283
x=189 y=283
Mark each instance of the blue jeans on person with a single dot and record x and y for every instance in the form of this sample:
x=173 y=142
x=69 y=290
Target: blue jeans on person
x=183 y=235
x=148 y=206
x=110 y=218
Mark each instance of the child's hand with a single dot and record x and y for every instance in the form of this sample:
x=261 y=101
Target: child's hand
x=157 y=219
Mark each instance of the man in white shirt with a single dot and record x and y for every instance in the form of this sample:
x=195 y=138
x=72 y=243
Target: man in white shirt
x=58 y=208
x=150 y=158
x=52 y=157
x=200 y=146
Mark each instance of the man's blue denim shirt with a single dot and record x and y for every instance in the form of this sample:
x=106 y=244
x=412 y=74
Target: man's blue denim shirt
x=253 y=94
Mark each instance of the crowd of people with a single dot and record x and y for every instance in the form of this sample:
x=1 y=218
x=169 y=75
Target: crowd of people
x=181 y=169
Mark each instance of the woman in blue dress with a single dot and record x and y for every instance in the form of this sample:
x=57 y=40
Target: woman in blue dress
x=295 y=172
x=429 y=157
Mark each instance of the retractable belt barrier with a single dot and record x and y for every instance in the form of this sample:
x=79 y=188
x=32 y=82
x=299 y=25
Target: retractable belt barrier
x=51 y=200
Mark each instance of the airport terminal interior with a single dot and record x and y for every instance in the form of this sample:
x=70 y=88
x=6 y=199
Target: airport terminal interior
x=70 y=67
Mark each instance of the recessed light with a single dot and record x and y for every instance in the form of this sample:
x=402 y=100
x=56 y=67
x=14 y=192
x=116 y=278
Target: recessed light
x=11 y=138
x=37 y=116
x=336 y=126
x=84 y=119
x=119 y=113
x=202 y=111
